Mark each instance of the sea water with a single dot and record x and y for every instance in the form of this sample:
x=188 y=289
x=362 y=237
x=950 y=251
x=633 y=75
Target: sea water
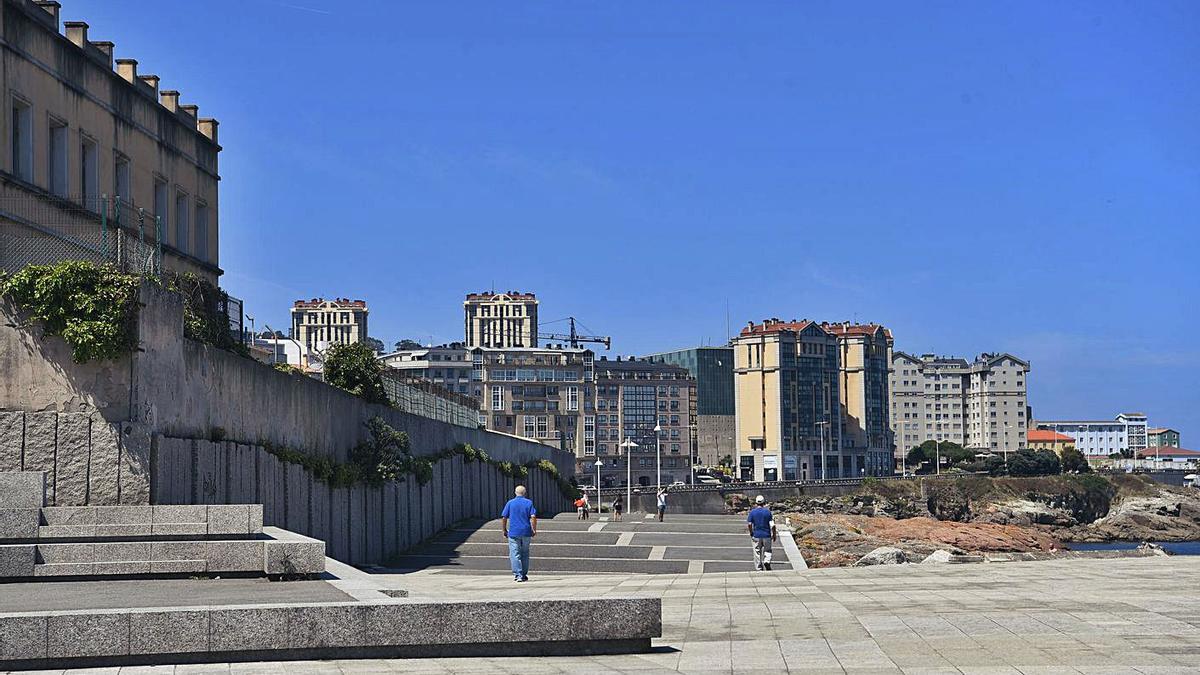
x=1175 y=547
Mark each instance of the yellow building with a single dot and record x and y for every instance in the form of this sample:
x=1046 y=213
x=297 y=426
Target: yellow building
x=98 y=163
x=500 y=320
x=864 y=363
x=1044 y=439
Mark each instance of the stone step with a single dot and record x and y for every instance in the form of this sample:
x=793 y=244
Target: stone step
x=491 y=535
x=544 y=564
x=23 y=489
x=742 y=553
x=544 y=550
x=275 y=552
x=689 y=539
x=125 y=522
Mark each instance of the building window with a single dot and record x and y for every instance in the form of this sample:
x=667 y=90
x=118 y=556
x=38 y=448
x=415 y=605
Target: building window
x=160 y=204
x=572 y=398
x=121 y=178
x=497 y=398
x=202 y=233
x=89 y=171
x=21 y=137
x=529 y=426
x=57 y=158
x=182 y=231
x=543 y=429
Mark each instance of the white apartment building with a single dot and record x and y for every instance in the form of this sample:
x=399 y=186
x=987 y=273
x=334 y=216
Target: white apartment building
x=1125 y=434
x=979 y=404
x=447 y=365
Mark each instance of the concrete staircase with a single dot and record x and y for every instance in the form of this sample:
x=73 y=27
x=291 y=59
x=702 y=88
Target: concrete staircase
x=71 y=542
x=682 y=544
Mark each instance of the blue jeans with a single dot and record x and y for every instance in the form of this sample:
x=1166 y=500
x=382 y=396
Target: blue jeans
x=518 y=555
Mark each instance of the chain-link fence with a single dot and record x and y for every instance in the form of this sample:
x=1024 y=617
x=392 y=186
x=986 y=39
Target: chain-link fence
x=422 y=397
x=43 y=230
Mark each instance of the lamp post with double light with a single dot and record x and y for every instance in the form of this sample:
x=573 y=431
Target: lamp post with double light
x=628 y=445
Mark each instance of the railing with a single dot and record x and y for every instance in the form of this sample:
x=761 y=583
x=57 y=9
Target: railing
x=765 y=485
x=38 y=229
x=422 y=397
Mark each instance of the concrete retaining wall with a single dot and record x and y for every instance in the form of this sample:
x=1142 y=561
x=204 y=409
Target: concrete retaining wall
x=360 y=524
x=713 y=501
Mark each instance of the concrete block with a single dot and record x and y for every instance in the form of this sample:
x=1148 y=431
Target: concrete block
x=18 y=524
x=256 y=518
x=66 y=531
x=121 y=551
x=17 y=560
x=297 y=491
x=12 y=440
x=173 y=471
x=357 y=525
x=177 y=550
x=76 y=635
x=41 y=433
x=178 y=566
x=69 y=515
x=124 y=515
x=179 y=513
x=134 y=466
x=238 y=630
x=295 y=557
x=270 y=488
x=389 y=544
x=168 y=632
x=210 y=475
x=71 y=459
x=236 y=556
x=179 y=529
x=22 y=637
x=122 y=568
x=23 y=489
x=373 y=525
x=339 y=523
x=228 y=519
x=113 y=531
x=319 y=501
x=104 y=475
x=316 y=627
x=56 y=554
x=73 y=569
x=242 y=475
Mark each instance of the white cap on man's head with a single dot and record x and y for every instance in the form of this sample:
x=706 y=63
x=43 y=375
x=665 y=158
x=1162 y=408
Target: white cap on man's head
x=759 y=500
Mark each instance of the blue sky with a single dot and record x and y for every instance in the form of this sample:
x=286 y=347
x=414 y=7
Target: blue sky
x=1019 y=177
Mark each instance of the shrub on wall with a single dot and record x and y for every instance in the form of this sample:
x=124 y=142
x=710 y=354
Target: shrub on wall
x=93 y=308
x=205 y=312
x=355 y=369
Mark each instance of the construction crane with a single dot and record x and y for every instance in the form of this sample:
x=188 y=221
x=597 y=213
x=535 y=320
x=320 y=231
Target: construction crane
x=573 y=338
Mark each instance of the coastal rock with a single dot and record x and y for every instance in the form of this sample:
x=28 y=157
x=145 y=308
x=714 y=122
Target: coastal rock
x=884 y=555
x=938 y=556
x=1026 y=512
x=1165 y=516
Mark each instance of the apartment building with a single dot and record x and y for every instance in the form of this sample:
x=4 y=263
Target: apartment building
x=979 y=404
x=787 y=402
x=446 y=365
x=319 y=323
x=715 y=428
x=538 y=393
x=1162 y=437
x=95 y=155
x=1041 y=439
x=633 y=396
x=501 y=320
x=864 y=366
x=1126 y=434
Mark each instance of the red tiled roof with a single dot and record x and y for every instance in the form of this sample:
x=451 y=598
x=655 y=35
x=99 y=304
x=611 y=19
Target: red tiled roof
x=1047 y=436
x=776 y=326
x=847 y=328
x=1167 y=451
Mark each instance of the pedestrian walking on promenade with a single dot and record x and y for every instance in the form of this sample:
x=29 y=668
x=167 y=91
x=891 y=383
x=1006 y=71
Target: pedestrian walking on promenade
x=761 y=525
x=662 y=503
x=519 y=523
x=618 y=505
x=579 y=509
x=587 y=507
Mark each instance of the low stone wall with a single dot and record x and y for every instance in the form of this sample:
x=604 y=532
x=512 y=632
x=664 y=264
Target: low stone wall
x=360 y=524
x=712 y=501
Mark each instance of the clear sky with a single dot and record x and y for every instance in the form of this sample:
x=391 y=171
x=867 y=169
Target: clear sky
x=1002 y=176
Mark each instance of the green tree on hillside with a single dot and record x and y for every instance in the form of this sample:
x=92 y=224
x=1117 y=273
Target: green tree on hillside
x=354 y=368
x=951 y=453
x=1028 y=462
x=1074 y=461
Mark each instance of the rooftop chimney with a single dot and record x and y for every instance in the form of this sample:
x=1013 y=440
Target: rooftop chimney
x=105 y=47
x=170 y=99
x=52 y=8
x=208 y=127
x=152 y=81
x=127 y=68
x=77 y=32
x=194 y=111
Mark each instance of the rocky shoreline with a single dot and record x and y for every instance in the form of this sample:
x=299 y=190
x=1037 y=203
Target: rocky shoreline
x=889 y=522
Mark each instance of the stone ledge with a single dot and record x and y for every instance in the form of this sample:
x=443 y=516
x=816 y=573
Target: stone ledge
x=23 y=489
x=391 y=629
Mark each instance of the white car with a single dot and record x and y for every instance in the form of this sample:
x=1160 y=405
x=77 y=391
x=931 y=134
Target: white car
x=707 y=480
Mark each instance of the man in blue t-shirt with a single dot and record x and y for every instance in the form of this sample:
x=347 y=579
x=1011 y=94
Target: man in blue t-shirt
x=519 y=521
x=761 y=525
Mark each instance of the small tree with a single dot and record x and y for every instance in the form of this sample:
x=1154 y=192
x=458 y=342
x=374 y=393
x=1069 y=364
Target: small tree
x=1028 y=462
x=354 y=368
x=407 y=344
x=1074 y=461
x=376 y=345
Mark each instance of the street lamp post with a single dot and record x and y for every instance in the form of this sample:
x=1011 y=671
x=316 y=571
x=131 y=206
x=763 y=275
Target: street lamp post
x=658 y=458
x=599 y=463
x=628 y=445
x=822 y=426
x=937 y=453
x=1006 y=427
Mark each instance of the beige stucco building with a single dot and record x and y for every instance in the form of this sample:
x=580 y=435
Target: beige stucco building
x=864 y=364
x=979 y=404
x=319 y=323
x=88 y=146
x=501 y=320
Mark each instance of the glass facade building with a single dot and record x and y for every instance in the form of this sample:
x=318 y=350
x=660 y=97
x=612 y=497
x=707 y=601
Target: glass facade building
x=713 y=369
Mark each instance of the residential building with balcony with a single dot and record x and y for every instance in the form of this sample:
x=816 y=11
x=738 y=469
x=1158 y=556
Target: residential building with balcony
x=501 y=320
x=712 y=368
x=864 y=366
x=446 y=365
x=319 y=323
x=632 y=397
x=787 y=401
x=1125 y=434
x=99 y=163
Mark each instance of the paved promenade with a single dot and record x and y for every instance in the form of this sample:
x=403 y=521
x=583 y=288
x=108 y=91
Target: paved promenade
x=1072 y=616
